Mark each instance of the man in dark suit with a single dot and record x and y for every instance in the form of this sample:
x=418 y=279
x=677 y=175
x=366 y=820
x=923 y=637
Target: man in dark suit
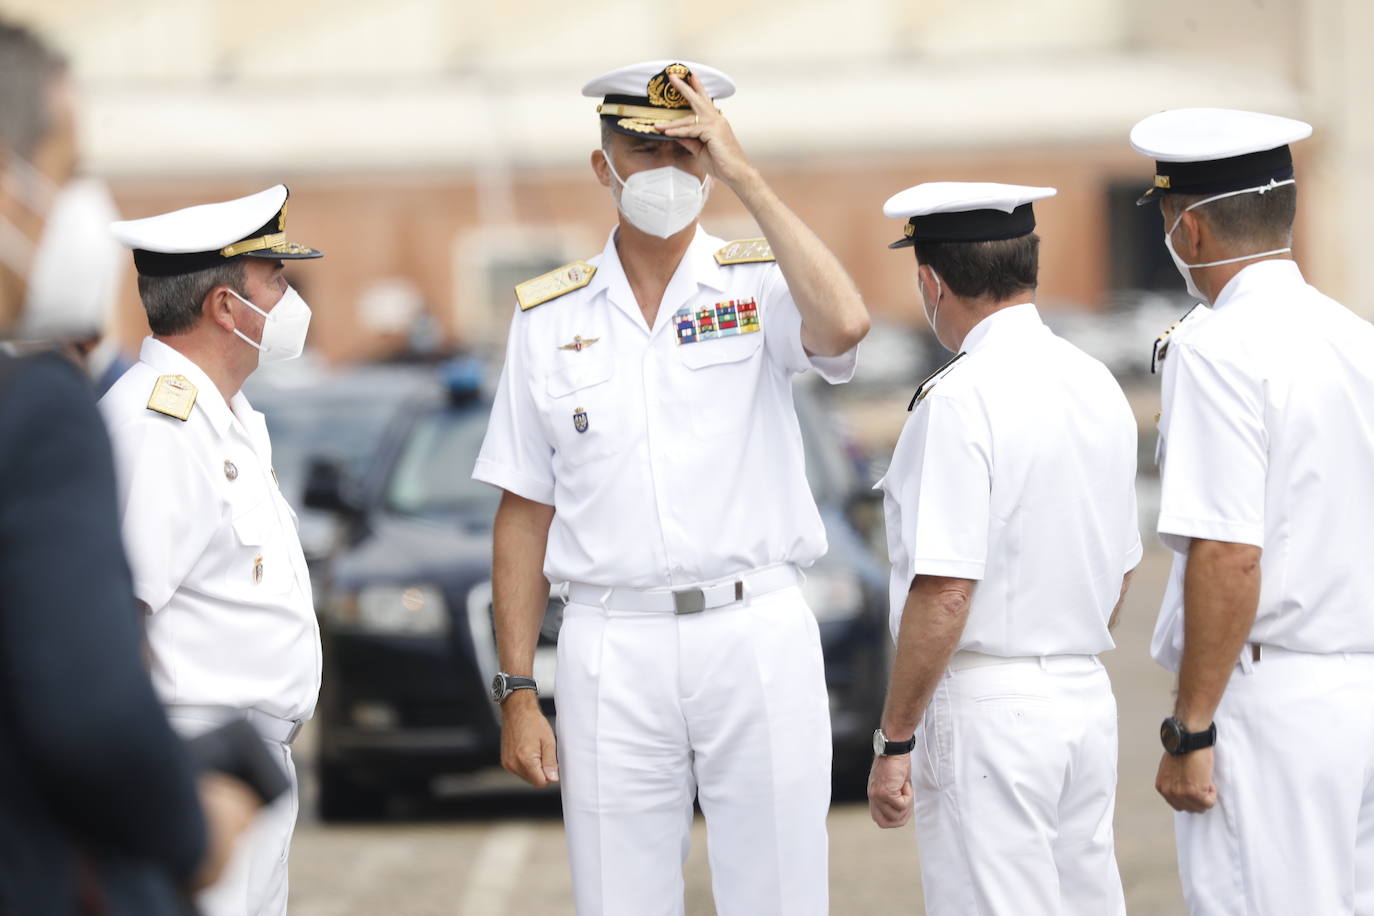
x=100 y=811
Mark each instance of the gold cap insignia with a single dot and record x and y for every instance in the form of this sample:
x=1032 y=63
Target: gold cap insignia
x=173 y=395
x=909 y=229
x=662 y=93
x=1162 y=181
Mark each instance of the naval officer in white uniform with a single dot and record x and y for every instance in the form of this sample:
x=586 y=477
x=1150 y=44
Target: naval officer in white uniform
x=212 y=543
x=1266 y=446
x=1012 y=531
x=645 y=436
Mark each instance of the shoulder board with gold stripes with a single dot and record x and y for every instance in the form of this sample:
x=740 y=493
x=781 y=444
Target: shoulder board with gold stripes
x=550 y=286
x=929 y=381
x=745 y=251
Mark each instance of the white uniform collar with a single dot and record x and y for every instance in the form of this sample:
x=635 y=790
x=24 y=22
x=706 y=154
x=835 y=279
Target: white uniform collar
x=699 y=259
x=1011 y=318
x=1260 y=274
x=170 y=361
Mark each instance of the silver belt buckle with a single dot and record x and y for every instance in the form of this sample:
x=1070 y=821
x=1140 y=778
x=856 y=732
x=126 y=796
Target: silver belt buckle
x=689 y=601
x=295 y=731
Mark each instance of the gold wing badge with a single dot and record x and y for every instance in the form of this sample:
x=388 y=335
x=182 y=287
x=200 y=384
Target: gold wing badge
x=579 y=343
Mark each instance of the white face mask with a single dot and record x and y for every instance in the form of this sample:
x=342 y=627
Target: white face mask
x=283 y=330
x=933 y=316
x=1186 y=270
x=661 y=202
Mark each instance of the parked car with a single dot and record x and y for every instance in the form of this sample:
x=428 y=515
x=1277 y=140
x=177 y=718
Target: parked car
x=409 y=648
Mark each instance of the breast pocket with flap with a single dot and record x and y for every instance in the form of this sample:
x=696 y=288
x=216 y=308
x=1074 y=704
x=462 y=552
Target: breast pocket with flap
x=723 y=382
x=582 y=409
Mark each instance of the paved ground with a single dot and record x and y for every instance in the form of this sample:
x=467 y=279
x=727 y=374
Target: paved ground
x=505 y=855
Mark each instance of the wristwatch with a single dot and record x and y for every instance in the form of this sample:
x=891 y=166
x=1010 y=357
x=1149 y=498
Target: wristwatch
x=503 y=685
x=885 y=748
x=1178 y=741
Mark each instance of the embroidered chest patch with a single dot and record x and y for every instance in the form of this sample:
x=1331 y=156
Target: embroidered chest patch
x=724 y=319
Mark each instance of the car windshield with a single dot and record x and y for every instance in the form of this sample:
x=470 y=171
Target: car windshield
x=343 y=431
x=433 y=474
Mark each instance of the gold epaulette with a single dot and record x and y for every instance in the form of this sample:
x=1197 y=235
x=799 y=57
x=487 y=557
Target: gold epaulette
x=173 y=395
x=553 y=284
x=745 y=251
x=929 y=381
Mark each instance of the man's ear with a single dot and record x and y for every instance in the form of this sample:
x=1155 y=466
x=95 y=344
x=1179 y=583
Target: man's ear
x=1190 y=237
x=925 y=279
x=599 y=166
x=217 y=307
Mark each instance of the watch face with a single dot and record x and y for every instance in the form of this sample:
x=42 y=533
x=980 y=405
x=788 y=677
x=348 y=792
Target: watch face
x=498 y=688
x=879 y=742
x=1170 y=736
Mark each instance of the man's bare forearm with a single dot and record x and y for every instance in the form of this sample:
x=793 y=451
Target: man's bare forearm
x=834 y=318
x=520 y=593
x=1221 y=585
x=1121 y=599
x=932 y=621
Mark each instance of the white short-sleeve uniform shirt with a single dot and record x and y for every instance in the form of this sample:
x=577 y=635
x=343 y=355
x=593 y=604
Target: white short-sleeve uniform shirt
x=1267 y=438
x=1017 y=469
x=212 y=546
x=672 y=455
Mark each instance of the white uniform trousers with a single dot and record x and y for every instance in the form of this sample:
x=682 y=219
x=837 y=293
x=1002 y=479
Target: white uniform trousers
x=728 y=705
x=1014 y=776
x=1293 y=827
x=255 y=881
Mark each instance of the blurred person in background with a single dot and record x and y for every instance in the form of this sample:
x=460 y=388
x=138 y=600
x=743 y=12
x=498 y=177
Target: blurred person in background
x=217 y=561
x=99 y=809
x=57 y=236
x=1266 y=450
x=1012 y=532
x=646 y=440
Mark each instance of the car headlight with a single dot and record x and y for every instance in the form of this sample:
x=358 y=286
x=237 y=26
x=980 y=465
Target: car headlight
x=413 y=610
x=833 y=595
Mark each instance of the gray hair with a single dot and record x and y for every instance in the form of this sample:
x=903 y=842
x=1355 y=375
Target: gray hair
x=174 y=303
x=28 y=70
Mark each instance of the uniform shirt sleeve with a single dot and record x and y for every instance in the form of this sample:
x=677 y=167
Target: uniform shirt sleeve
x=1135 y=549
x=516 y=455
x=1214 y=470
x=168 y=503
x=782 y=334
x=944 y=491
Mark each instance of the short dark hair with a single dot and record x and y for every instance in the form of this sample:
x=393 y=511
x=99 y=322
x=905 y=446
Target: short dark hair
x=174 y=303
x=995 y=271
x=1246 y=219
x=28 y=70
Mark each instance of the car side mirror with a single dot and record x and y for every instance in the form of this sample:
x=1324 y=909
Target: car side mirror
x=325 y=488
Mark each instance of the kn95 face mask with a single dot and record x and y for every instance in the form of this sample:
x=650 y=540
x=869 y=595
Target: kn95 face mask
x=661 y=202
x=283 y=330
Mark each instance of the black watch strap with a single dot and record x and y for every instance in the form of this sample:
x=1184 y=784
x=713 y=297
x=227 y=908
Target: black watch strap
x=503 y=685
x=1178 y=741
x=882 y=747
